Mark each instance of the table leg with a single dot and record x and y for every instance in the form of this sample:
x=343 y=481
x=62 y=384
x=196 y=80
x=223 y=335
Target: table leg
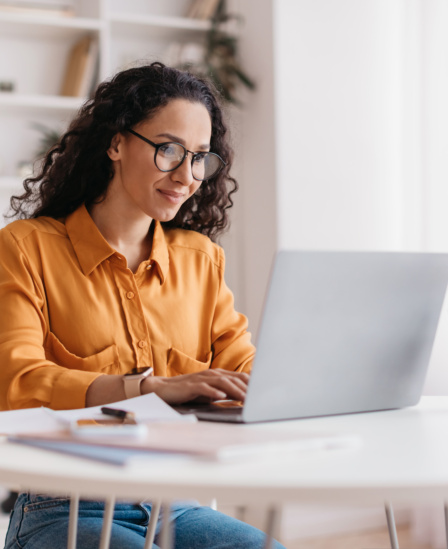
x=107 y=523
x=272 y=526
x=73 y=521
x=391 y=526
x=150 y=532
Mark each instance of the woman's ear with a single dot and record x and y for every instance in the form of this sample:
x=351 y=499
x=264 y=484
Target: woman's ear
x=114 y=150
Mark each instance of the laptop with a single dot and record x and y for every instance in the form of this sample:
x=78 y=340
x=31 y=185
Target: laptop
x=341 y=332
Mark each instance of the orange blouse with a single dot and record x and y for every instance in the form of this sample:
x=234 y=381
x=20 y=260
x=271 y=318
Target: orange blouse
x=71 y=310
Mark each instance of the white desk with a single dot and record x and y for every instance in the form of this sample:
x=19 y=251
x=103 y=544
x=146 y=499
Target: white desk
x=403 y=458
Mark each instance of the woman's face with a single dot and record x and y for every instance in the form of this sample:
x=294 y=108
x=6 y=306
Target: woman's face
x=138 y=184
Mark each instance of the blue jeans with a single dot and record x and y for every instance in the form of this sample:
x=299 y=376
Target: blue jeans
x=41 y=522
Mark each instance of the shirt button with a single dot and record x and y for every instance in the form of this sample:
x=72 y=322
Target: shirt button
x=130 y=295
x=141 y=344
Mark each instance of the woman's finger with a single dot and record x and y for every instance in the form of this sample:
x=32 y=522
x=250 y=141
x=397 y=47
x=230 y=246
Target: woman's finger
x=209 y=384
x=229 y=387
x=236 y=375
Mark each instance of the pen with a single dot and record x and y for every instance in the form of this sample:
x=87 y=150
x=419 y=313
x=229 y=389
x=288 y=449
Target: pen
x=116 y=412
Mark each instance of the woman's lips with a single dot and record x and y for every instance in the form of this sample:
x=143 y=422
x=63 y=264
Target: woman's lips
x=172 y=196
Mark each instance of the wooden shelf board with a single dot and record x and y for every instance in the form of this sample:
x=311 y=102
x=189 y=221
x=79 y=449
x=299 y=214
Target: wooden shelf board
x=160 y=21
x=46 y=26
x=161 y=28
x=48 y=102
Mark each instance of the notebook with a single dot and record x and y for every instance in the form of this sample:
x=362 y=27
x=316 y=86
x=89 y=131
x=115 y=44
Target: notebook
x=341 y=332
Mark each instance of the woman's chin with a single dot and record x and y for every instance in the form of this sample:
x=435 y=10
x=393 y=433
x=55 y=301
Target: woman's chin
x=165 y=218
x=166 y=215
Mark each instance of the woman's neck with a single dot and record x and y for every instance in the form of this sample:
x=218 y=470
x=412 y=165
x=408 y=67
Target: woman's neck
x=129 y=235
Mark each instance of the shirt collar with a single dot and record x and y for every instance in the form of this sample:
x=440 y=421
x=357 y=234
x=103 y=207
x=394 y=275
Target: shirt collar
x=159 y=251
x=92 y=248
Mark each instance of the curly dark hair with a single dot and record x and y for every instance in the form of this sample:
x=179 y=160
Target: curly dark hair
x=78 y=169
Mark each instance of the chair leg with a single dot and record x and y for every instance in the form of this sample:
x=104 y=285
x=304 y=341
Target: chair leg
x=166 y=535
x=240 y=513
x=214 y=504
x=150 y=532
x=446 y=522
x=73 y=521
x=272 y=526
x=391 y=526
x=107 y=523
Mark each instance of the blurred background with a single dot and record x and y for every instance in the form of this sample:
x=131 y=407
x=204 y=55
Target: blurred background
x=339 y=119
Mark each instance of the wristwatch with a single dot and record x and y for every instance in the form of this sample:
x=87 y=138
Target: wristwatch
x=133 y=379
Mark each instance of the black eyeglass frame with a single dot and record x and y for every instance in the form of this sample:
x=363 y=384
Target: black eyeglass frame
x=186 y=151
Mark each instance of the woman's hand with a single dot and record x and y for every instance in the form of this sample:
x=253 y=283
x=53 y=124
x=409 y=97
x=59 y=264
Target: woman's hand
x=203 y=386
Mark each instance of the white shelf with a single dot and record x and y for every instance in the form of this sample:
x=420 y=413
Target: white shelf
x=157 y=26
x=166 y=22
x=46 y=102
x=10 y=182
x=46 y=26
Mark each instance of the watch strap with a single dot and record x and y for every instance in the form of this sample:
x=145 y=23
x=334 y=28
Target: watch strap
x=132 y=383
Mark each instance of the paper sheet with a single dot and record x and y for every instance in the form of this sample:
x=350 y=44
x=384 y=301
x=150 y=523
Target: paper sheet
x=36 y=420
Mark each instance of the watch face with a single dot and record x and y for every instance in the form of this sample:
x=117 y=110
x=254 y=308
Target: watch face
x=137 y=371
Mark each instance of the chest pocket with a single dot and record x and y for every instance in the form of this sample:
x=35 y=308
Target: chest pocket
x=106 y=361
x=179 y=363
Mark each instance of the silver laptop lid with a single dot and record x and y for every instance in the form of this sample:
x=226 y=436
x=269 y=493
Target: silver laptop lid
x=345 y=332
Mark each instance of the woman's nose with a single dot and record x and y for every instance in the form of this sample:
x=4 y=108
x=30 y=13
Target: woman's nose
x=183 y=173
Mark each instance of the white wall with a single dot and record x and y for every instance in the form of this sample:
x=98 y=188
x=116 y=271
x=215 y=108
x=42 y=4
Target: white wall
x=434 y=174
x=362 y=123
x=324 y=135
x=435 y=123
x=256 y=212
x=338 y=105
x=344 y=145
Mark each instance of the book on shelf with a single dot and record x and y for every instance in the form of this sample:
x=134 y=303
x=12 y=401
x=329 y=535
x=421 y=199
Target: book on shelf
x=181 y=54
x=193 y=9
x=60 y=8
x=81 y=68
x=203 y=9
x=90 y=74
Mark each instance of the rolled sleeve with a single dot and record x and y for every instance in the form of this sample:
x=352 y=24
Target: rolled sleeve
x=27 y=377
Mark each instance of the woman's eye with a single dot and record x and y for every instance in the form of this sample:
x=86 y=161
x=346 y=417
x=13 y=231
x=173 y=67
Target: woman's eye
x=199 y=158
x=169 y=149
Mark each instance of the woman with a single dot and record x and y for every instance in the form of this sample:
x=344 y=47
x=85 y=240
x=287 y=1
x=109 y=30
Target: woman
x=113 y=272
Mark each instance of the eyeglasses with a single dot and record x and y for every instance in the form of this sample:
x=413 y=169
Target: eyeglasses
x=169 y=156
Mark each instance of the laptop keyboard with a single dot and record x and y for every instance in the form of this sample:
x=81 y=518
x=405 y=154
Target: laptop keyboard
x=211 y=412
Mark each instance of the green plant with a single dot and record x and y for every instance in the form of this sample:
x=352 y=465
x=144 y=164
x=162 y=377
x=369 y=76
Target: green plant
x=49 y=138
x=220 y=62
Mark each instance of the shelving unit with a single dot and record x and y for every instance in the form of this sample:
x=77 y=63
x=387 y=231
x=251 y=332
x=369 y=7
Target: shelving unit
x=46 y=26
x=52 y=103
x=166 y=22
x=39 y=47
